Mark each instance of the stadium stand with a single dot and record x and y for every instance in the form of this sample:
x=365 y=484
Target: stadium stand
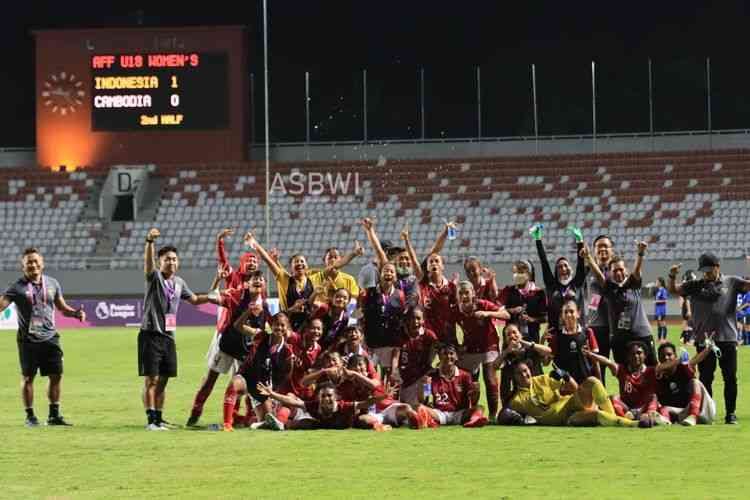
x=669 y=198
x=42 y=208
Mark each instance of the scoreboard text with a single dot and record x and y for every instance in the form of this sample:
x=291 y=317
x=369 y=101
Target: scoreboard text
x=187 y=91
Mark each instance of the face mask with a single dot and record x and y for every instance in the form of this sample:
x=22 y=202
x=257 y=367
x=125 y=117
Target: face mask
x=403 y=271
x=520 y=279
x=564 y=282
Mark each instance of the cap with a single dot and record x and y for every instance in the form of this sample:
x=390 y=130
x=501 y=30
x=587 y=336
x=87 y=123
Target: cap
x=707 y=261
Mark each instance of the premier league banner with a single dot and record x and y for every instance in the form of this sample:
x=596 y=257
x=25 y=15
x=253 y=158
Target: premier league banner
x=129 y=312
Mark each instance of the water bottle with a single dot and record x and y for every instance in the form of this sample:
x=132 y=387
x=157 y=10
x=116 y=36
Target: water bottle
x=452 y=233
x=684 y=357
x=214 y=427
x=427 y=389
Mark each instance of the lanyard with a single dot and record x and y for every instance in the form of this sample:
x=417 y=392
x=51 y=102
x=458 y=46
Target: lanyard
x=170 y=292
x=32 y=296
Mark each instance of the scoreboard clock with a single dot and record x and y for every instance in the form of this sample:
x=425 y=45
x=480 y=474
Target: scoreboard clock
x=159 y=91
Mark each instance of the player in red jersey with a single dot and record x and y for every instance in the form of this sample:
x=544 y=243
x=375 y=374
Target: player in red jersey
x=637 y=399
x=219 y=362
x=679 y=391
x=476 y=317
x=454 y=394
x=438 y=295
x=483 y=279
x=306 y=357
x=333 y=315
x=326 y=411
x=412 y=361
x=269 y=361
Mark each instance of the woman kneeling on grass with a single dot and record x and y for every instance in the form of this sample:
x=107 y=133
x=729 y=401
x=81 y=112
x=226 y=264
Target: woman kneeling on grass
x=556 y=399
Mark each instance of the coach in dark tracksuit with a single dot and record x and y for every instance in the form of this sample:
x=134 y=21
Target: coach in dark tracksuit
x=714 y=302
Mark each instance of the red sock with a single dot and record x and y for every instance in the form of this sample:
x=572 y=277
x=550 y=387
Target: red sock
x=230 y=398
x=492 y=397
x=283 y=414
x=664 y=412
x=694 y=407
x=476 y=414
x=200 y=398
x=618 y=406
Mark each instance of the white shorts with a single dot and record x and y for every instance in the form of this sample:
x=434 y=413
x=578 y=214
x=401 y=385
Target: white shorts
x=388 y=416
x=382 y=356
x=301 y=414
x=219 y=361
x=707 y=412
x=450 y=417
x=412 y=394
x=472 y=361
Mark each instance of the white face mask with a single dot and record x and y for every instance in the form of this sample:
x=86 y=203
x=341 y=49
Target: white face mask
x=564 y=282
x=520 y=279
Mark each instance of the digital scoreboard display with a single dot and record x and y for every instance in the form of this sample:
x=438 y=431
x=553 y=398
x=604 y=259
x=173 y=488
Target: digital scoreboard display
x=150 y=91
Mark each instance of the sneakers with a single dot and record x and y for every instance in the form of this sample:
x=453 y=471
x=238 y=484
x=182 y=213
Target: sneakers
x=529 y=420
x=731 y=419
x=659 y=419
x=689 y=421
x=273 y=423
x=32 y=421
x=476 y=421
x=425 y=419
x=167 y=425
x=228 y=428
x=58 y=420
x=155 y=427
x=257 y=425
x=193 y=421
x=646 y=422
x=378 y=427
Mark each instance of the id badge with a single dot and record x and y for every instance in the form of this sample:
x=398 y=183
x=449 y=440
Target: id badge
x=36 y=325
x=595 y=300
x=170 y=322
x=624 y=321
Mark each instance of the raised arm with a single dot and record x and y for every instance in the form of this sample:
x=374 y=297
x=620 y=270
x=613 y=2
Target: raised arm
x=148 y=254
x=415 y=265
x=501 y=314
x=547 y=274
x=250 y=240
x=367 y=381
x=586 y=254
x=369 y=228
x=313 y=376
x=580 y=277
x=437 y=247
x=221 y=254
x=672 y=285
x=358 y=251
x=641 y=247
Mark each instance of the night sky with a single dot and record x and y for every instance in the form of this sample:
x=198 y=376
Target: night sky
x=335 y=40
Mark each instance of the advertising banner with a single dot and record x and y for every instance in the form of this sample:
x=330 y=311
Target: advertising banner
x=129 y=312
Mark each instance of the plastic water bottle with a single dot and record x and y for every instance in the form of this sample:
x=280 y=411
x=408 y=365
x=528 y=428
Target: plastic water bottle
x=452 y=233
x=214 y=427
x=684 y=357
x=427 y=389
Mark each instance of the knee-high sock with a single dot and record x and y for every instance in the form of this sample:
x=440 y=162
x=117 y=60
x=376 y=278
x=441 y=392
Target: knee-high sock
x=603 y=401
x=696 y=398
x=492 y=397
x=230 y=398
x=201 y=396
x=283 y=414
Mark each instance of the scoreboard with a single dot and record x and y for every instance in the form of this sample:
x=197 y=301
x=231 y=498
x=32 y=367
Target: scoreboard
x=159 y=91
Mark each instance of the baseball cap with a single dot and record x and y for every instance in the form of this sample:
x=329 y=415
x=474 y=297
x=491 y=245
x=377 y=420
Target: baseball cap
x=707 y=261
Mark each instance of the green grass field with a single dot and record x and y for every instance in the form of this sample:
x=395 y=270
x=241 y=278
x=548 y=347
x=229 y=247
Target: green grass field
x=108 y=454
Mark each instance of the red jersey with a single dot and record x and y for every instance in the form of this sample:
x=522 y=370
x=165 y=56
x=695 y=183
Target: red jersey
x=480 y=335
x=437 y=301
x=453 y=394
x=637 y=389
x=487 y=291
x=415 y=359
x=342 y=418
x=306 y=358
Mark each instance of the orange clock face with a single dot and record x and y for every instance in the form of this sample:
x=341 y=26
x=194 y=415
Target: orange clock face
x=63 y=93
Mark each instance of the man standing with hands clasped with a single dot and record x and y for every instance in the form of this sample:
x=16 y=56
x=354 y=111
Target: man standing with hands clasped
x=714 y=303
x=157 y=355
x=36 y=295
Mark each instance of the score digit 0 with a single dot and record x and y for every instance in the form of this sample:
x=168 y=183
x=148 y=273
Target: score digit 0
x=174 y=99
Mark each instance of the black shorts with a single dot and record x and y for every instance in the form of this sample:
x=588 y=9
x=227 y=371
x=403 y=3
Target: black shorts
x=47 y=357
x=157 y=355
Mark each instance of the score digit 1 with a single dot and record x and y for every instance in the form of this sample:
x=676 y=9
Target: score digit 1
x=174 y=82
